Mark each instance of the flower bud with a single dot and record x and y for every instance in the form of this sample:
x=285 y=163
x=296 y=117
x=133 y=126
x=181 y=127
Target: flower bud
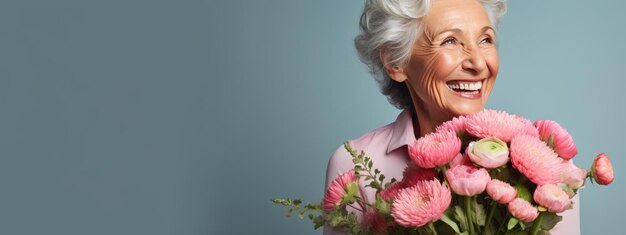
x=488 y=152
x=602 y=170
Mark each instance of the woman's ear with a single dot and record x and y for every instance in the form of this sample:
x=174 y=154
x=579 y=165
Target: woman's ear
x=394 y=71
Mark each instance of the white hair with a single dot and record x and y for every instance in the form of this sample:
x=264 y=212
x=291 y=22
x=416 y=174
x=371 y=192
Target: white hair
x=395 y=25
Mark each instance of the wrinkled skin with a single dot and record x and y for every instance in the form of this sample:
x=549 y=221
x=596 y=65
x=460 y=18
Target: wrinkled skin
x=457 y=43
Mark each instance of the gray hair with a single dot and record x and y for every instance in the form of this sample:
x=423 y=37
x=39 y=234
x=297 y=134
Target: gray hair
x=395 y=25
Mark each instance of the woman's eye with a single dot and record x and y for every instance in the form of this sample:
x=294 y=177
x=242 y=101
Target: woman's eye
x=449 y=41
x=487 y=40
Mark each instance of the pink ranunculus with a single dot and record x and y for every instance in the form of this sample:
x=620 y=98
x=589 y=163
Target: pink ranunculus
x=533 y=158
x=338 y=189
x=456 y=125
x=602 y=170
x=460 y=159
x=523 y=210
x=488 y=152
x=413 y=173
x=501 y=192
x=573 y=176
x=467 y=180
x=561 y=141
x=425 y=202
x=435 y=149
x=552 y=197
x=499 y=124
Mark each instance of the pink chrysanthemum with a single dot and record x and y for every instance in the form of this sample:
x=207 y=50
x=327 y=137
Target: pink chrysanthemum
x=552 y=197
x=413 y=173
x=435 y=149
x=377 y=222
x=501 y=192
x=562 y=142
x=467 y=180
x=499 y=124
x=527 y=127
x=420 y=204
x=456 y=125
x=533 y=158
x=523 y=210
x=337 y=189
x=391 y=191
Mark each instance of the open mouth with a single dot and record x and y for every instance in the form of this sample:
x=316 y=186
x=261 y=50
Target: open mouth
x=469 y=89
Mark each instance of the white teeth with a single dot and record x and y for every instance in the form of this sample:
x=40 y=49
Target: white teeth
x=471 y=86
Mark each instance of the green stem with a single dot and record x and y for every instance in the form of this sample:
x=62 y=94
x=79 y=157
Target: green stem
x=490 y=216
x=537 y=224
x=506 y=220
x=431 y=225
x=468 y=213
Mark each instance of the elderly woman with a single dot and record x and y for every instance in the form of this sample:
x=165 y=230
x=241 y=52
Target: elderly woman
x=434 y=59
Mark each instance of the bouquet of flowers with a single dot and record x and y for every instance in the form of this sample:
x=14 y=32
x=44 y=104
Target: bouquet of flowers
x=486 y=173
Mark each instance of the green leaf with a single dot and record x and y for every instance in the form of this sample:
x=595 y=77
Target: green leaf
x=459 y=215
x=512 y=222
x=543 y=232
x=549 y=220
x=479 y=213
x=383 y=207
x=369 y=165
x=450 y=223
x=523 y=192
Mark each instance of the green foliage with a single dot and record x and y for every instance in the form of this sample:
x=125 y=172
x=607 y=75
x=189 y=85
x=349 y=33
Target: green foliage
x=363 y=167
x=550 y=220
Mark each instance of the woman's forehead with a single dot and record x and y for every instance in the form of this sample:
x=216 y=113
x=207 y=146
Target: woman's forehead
x=455 y=14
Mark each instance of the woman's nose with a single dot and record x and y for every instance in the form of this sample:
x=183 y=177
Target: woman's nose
x=474 y=61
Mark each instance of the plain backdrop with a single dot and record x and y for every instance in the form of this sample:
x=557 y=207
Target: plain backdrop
x=187 y=117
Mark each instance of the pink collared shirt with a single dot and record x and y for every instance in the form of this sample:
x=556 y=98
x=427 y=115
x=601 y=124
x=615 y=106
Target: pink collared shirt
x=387 y=147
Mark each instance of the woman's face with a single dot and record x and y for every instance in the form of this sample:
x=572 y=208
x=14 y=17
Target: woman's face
x=454 y=63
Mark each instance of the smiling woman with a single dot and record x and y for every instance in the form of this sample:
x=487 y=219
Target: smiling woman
x=436 y=60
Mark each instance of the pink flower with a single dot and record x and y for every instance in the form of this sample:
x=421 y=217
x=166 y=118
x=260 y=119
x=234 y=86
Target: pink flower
x=523 y=210
x=377 y=222
x=573 y=176
x=460 y=159
x=435 y=149
x=391 y=191
x=456 y=125
x=533 y=158
x=527 y=127
x=338 y=189
x=467 y=180
x=552 y=197
x=499 y=124
x=501 y=192
x=560 y=140
x=488 y=152
x=602 y=170
x=413 y=173
x=420 y=204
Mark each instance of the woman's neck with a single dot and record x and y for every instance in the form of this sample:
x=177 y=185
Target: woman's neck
x=425 y=122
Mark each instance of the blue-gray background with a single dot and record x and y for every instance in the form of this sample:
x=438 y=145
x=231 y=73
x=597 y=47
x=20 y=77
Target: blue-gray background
x=186 y=117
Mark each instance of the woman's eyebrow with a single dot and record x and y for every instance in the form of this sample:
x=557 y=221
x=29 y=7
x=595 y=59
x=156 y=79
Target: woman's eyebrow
x=454 y=30
x=459 y=31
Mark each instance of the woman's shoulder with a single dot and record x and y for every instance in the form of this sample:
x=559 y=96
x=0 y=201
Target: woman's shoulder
x=373 y=141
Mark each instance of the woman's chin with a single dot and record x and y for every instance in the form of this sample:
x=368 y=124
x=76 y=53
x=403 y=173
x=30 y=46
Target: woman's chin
x=465 y=108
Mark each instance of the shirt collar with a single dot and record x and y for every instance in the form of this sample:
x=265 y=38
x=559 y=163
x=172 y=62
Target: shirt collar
x=403 y=133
